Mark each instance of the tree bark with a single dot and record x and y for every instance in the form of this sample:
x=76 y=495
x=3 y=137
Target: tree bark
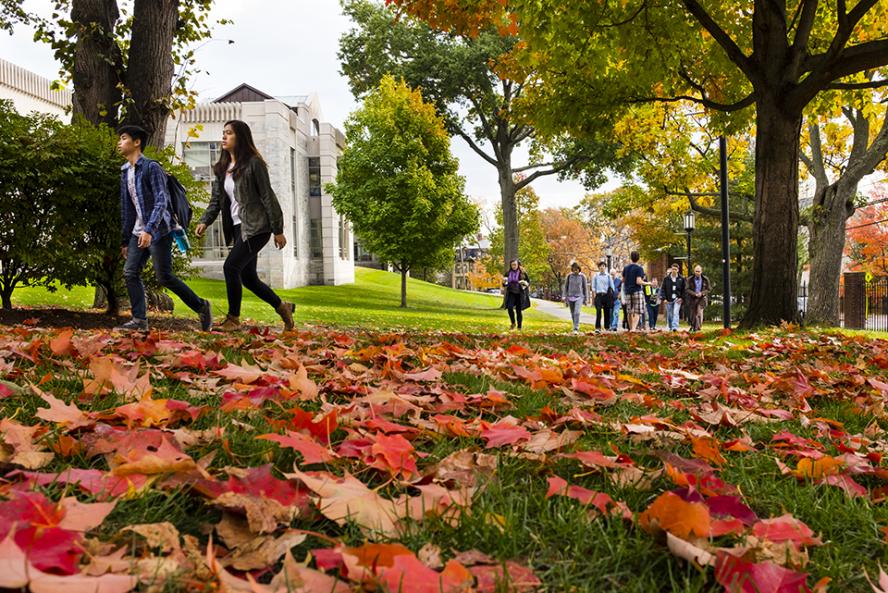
x=776 y=224
x=97 y=61
x=510 y=210
x=150 y=66
x=404 y=270
x=6 y=295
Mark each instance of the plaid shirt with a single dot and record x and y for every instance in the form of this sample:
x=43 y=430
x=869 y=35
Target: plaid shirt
x=154 y=203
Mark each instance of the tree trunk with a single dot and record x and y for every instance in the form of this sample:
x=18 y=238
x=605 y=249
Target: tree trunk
x=826 y=246
x=510 y=210
x=150 y=66
x=776 y=224
x=404 y=270
x=97 y=61
x=6 y=296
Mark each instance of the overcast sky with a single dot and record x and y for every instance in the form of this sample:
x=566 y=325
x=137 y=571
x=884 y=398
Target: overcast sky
x=288 y=47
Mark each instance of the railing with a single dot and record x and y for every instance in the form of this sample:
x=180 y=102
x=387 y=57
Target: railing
x=876 y=305
x=803 y=302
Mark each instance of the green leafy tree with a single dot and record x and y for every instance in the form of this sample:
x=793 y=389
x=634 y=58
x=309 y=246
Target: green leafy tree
x=397 y=181
x=475 y=87
x=533 y=250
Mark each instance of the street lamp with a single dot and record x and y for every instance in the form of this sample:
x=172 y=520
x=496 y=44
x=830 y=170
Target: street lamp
x=610 y=257
x=689 y=220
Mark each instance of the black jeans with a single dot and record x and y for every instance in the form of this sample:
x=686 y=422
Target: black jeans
x=160 y=252
x=240 y=271
x=603 y=306
x=513 y=305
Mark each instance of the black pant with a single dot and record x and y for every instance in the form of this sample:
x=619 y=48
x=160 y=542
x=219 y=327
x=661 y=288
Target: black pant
x=603 y=306
x=513 y=305
x=240 y=270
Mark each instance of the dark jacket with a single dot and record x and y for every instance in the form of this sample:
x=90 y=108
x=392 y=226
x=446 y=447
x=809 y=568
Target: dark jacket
x=689 y=288
x=666 y=288
x=260 y=211
x=525 y=292
x=154 y=200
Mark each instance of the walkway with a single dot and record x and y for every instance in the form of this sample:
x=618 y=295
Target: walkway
x=587 y=315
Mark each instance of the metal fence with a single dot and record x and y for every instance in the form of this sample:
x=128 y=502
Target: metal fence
x=870 y=304
x=877 y=304
x=803 y=302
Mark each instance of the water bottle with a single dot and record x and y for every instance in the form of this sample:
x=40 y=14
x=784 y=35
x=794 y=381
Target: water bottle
x=181 y=240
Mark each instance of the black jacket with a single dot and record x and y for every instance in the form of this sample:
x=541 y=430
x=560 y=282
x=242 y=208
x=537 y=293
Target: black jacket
x=666 y=288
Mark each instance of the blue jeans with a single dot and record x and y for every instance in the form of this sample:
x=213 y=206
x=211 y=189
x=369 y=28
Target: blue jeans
x=653 y=311
x=160 y=252
x=575 y=308
x=615 y=316
x=673 y=314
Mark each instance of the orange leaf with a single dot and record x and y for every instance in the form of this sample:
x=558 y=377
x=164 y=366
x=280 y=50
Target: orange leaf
x=707 y=448
x=672 y=513
x=818 y=468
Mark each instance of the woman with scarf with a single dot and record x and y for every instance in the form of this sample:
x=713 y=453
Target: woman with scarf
x=517 y=285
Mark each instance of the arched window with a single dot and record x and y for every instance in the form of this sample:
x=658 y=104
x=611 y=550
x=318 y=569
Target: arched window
x=315 y=128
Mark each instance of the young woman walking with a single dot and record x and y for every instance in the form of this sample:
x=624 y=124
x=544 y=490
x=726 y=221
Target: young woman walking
x=517 y=285
x=251 y=214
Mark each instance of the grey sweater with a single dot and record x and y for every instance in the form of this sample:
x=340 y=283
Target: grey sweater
x=575 y=287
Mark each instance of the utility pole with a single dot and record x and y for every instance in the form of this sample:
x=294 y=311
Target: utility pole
x=725 y=229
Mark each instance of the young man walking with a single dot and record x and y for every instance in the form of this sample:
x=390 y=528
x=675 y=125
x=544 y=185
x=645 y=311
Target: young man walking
x=672 y=292
x=147 y=230
x=633 y=287
x=697 y=293
x=575 y=293
x=603 y=287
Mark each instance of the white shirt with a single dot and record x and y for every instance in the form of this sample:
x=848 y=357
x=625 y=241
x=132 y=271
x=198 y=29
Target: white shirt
x=229 y=189
x=131 y=186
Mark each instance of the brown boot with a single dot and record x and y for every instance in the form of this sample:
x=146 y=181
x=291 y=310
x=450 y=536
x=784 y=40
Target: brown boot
x=285 y=310
x=230 y=324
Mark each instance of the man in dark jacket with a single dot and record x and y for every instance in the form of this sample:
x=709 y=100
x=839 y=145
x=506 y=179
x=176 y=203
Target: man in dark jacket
x=147 y=231
x=697 y=293
x=672 y=292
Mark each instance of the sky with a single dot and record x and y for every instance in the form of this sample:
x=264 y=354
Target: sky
x=288 y=47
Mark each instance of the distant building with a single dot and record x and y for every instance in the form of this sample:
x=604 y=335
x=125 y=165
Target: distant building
x=30 y=92
x=301 y=151
x=466 y=257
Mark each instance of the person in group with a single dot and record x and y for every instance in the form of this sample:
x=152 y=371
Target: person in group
x=633 y=285
x=251 y=214
x=671 y=292
x=617 y=304
x=603 y=288
x=575 y=293
x=147 y=227
x=517 y=285
x=697 y=293
x=652 y=292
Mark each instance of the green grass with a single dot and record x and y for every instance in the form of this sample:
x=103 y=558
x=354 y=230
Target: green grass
x=372 y=302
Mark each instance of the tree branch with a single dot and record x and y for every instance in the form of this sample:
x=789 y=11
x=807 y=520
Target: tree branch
x=799 y=49
x=556 y=169
x=477 y=148
x=735 y=54
x=816 y=167
x=850 y=86
x=713 y=212
x=726 y=107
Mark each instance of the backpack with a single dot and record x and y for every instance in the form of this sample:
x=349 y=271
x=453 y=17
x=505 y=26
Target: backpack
x=180 y=208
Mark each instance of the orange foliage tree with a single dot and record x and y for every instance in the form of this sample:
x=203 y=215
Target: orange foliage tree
x=867 y=236
x=569 y=240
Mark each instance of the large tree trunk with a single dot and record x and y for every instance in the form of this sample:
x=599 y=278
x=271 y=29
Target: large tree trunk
x=776 y=224
x=833 y=205
x=510 y=211
x=97 y=61
x=150 y=66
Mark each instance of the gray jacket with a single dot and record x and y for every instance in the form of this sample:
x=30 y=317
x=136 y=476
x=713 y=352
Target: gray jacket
x=575 y=285
x=260 y=211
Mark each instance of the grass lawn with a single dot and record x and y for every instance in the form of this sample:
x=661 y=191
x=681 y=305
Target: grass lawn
x=568 y=460
x=372 y=302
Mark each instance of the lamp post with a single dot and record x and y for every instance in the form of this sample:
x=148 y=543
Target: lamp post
x=610 y=258
x=689 y=220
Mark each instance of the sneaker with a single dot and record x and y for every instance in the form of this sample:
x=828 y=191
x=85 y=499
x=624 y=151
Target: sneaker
x=134 y=325
x=575 y=332
x=206 y=316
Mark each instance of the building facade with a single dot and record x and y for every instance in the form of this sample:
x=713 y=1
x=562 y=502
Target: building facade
x=301 y=151
x=30 y=92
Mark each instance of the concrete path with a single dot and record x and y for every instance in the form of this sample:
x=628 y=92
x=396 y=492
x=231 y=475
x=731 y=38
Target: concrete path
x=559 y=310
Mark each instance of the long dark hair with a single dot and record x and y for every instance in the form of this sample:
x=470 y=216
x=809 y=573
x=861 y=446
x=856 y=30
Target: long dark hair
x=244 y=150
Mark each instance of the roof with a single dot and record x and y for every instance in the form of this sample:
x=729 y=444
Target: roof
x=245 y=93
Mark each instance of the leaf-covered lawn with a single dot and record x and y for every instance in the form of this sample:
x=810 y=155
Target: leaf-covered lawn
x=323 y=460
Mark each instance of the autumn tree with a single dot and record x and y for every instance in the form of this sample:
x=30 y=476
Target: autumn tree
x=474 y=84
x=569 y=240
x=867 y=245
x=844 y=142
x=727 y=55
x=397 y=181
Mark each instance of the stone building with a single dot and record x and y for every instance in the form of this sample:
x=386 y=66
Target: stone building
x=30 y=92
x=301 y=151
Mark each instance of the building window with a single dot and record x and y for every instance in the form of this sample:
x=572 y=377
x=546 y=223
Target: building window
x=200 y=158
x=362 y=254
x=316 y=239
x=295 y=235
x=314 y=176
x=315 y=128
x=343 y=238
x=293 y=175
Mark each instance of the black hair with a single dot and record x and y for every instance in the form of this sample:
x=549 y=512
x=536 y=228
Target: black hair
x=634 y=257
x=601 y=263
x=244 y=150
x=136 y=133
x=575 y=265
